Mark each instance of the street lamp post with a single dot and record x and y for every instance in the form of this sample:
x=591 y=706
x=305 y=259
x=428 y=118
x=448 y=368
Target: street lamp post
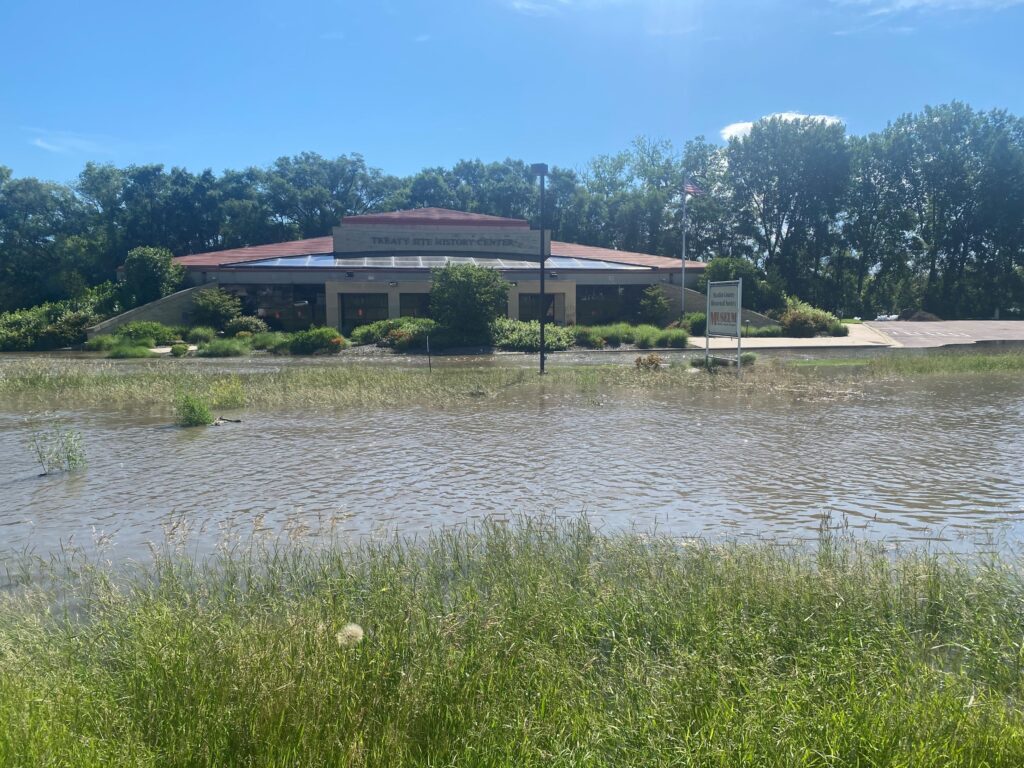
x=541 y=170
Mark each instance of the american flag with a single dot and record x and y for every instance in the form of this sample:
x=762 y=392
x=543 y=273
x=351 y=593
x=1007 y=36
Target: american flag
x=692 y=189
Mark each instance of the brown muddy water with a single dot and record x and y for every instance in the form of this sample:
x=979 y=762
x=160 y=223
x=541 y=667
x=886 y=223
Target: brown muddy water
x=934 y=460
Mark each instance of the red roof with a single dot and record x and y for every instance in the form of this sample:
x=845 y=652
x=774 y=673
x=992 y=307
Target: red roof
x=259 y=252
x=424 y=216
x=435 y=217
x=574 y=251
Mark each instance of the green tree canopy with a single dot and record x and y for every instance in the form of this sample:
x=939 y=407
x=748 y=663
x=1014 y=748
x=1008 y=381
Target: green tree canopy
x=465 y=299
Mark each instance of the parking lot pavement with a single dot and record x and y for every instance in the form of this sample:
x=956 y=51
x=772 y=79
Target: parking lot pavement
x=942 y=333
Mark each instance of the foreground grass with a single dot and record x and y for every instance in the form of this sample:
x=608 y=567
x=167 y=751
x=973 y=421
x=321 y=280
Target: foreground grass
x=537 y=646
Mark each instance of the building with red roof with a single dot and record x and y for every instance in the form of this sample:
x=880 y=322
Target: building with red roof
x=378 y=265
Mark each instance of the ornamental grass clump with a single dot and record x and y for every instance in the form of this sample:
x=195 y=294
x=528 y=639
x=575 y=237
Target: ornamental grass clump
x=131 y=351
x=192 y=411
x=224 y=348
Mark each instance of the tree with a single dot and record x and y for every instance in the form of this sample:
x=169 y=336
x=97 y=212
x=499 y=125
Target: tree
x=149 y=274
x=215 y=307
x=654 y=306
x=789 y=179
x=466 y=299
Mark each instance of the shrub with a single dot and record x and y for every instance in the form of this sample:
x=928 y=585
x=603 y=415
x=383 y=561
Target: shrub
x=246 y=324
x=654 y=306
x=765 y=332
x=179 y=350
x=316 y=341
x=801 y=320
x=695 y=322
x=520 y=336
x=139 y=330
x=102 y=343
x=201 y=334
x=466 y=300
x=272 y=341
x=398 y=333
x=589 y=337
x=215 y=307
x=192 y=412
x=125 y=352
x=244 y=336
x=223 y=348
x=748 y=358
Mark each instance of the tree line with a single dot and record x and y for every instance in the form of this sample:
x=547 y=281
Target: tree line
x=927 y=213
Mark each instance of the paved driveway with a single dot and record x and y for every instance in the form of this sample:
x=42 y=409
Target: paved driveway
x=939 y=334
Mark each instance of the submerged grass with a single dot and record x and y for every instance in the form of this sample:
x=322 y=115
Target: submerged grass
x=538 y=644
x=43 y=383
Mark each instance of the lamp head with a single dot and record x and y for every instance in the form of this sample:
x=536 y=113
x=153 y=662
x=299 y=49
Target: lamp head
x=539 y=169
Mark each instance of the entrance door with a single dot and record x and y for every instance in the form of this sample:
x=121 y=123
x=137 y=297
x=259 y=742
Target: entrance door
x=361 y=309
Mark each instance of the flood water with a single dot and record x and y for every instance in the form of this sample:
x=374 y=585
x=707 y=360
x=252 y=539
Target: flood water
x=932 y=460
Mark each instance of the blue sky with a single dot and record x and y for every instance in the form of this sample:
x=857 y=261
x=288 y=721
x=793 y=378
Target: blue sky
x=229 y=84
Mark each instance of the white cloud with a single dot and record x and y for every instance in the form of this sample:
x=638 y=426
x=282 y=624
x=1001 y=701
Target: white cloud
x=739 y=130
x=878 y=7
x=533 y=8
x=66 y=142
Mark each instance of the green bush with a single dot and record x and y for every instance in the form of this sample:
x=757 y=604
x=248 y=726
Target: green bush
x=215 y=307
x=765 y=332
x=192 y=412
x=102 y=343
x=224 y=348
x=748 y=358
x=589 y=337
x=149 y=274
x=317 y=341
x=801 y=320
x=245 y=323
x=398 y=333
x=466 y=299
x=270 y=340
x=179 y=350
x=144 y=329
x=520 y=336
x=695 y=322
x=201 y=334
x=125 y=352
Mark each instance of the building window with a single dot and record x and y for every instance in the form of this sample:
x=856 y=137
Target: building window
x=599 y=304
x=362 y=309
x=414 y=304
x=529 y=307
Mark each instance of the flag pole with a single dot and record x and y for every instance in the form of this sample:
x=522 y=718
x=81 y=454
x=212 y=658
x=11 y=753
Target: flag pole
x=683 y=259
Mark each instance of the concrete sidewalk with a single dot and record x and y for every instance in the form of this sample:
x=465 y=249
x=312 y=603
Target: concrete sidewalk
x=861 y=337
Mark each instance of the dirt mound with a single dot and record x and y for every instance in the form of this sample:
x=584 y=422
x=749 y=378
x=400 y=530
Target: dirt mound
x=919 y=315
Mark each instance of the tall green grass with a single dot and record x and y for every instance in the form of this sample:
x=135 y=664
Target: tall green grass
x=642 y=336
x=536 y=645
x=917 y=364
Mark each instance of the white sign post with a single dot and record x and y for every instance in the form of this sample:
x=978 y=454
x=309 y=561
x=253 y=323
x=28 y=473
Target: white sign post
x=724 y=316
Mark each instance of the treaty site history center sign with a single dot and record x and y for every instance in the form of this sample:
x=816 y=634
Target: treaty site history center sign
x=431 y=239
